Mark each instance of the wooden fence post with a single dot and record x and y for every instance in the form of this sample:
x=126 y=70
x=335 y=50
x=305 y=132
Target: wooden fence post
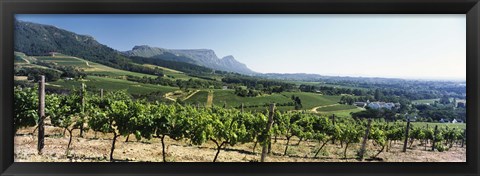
x=82 y=94
x=365 y=138
x=101 y=93
x=406 y=136
x=426 y=140
x=269 y=125
x=464 y=137
x=434 y=137
x=333 y=122
x=41 y=114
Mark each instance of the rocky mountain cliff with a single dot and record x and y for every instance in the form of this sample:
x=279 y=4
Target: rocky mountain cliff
x=202 y=57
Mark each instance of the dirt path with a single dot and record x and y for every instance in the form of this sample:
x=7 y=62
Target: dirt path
x=186 y=98
x=169 y=94
x=210 y=99
x=315 y=108
x=27 y=61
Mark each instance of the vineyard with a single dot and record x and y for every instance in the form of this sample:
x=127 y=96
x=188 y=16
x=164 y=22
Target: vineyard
x=81 y=116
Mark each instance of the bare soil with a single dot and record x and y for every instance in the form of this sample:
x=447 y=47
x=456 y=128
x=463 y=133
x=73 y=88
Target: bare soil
x=93 y=148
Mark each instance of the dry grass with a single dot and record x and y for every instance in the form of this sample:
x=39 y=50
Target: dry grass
x=91 y=149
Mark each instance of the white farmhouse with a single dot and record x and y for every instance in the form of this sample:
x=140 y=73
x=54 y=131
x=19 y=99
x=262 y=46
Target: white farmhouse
x=379 y=105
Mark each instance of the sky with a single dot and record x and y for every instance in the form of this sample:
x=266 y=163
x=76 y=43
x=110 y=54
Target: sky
x=391 y=46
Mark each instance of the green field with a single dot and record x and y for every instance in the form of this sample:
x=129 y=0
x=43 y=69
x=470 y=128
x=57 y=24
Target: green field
x=327 y=85
x=425 y=101
x=90 y=67
x=440 y=125
x=199 y=97
x=311 y=100
x=113 y=84
x=228 y=96
x=430 y=101
x=19 y=59
x=341 y=113
x=338 y=107
x=173 y=73
x=22 y=58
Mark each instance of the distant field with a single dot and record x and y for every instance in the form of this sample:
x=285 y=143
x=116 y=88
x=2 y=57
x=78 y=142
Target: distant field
x=323 y=84
x=311 y=100
x=22 y=58
x=170 y=72
x=199 y=97
x=90 y=67
x=19 y=59
x=341 y=113
x=114 y=84
x=228 y=96
x=440 y=125
x=424 y=101
x=26 y=65
x=430 y=101
x=336 y=108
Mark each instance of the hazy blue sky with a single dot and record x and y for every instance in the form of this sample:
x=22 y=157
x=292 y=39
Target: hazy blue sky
x=404 y=46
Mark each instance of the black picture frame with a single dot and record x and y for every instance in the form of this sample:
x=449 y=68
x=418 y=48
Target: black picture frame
x=10 y=7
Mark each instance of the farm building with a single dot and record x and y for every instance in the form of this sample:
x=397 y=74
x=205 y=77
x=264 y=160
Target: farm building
x=52 y=54
x=379 y=105
x=457 y=121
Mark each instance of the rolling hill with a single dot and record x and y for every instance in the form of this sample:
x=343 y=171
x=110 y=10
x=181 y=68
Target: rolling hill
x=41 y=40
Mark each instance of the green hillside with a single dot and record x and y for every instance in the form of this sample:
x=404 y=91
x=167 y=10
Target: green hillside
x=96 y=82
x=338 y=107
x=311 y=100
x=89 y=67
x=171 y=73
x=111 y=79
x=199 y=97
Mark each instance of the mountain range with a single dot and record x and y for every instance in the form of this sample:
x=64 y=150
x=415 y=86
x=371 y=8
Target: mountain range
x=38 y=39
x=201 y=57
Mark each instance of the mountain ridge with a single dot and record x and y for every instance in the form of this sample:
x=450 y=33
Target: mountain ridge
x=40 y=40
x=203 y=57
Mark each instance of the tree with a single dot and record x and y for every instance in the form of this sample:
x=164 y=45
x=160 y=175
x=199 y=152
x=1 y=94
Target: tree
x=394 y=132
x=379 y=137
x=287 y=125
x=350 y=133
x=69 y=114
x=445 y=100
x=256 y=124
x=227 y=128
x=320 y=127
x=298 y=103
x=169 y=121
x=116 y=114
x=378 y=95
